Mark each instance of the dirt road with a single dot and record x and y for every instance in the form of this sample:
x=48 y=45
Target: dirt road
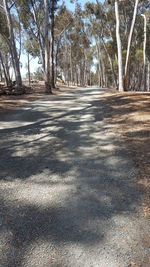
x=68 y=191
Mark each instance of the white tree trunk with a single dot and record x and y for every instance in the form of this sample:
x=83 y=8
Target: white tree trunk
x=47 y=48
x=29 y=74
x=129 y=43
x=110 y=62
x=119 y=47
x=12 y=45
x=71 y=70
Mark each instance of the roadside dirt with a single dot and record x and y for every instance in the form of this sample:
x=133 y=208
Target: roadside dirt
x=9 y=103
x=130 y=113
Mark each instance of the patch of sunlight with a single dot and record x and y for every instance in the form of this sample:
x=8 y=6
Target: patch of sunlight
x=25 y=151
x=37 y=194
x=84 y=127
x=87 y=149
x=69 y=118
x=114 y=160
x=103 y=135
x=86 y=117
x=64 y=156
x=50 y=178
x=44 y=251
x=140 y=117
x=109 y=147
x=13 y=124
x=96 y=135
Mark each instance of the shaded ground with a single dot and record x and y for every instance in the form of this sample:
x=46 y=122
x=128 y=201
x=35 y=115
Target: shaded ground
x=69 y=193
x=130 y=115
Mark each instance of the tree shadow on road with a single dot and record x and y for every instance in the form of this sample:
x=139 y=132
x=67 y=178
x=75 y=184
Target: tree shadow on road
x=63 y=181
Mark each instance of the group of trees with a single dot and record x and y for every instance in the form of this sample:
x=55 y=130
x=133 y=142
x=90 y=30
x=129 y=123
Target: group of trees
x=103 y=43
x=122 y=35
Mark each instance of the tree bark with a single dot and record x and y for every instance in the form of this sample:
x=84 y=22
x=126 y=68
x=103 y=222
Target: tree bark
x=126 y=77
x=111 y=63
x=148 y=77
x=12 y=46
x=119 y=48
x=71 y=70
x=29 y=74
x=7 y=78
x=47 y=49
x=52 y=44
x=144 y=52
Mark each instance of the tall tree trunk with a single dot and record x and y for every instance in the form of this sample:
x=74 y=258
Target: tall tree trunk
x=77 y=79
x=56 y=59
x=1 y=72
x=7 y=68
x=111 y=63
x=144 y=52
x=52 y=44
x=29 y=74
x=90 y=79
x=100 y=69
x=126 y=77
x=71 y=70
x=148 y=77
x=12 y=46
x=47 y=49
x=119 y=47
x=7 y=78
x=103 y=72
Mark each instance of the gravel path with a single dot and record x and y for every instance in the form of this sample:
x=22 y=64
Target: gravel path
x=68 y=193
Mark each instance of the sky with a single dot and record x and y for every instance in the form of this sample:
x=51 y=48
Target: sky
x=34 y=62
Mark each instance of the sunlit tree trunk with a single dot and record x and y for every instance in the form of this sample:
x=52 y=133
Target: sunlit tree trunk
x=119 y=48
x=12 y=45
x=47 y=49
x=111 y=63
x=52 y=44
x=29 y=74
x=126 y=77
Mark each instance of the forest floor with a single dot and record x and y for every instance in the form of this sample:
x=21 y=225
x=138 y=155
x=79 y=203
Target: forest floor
x=75 y=179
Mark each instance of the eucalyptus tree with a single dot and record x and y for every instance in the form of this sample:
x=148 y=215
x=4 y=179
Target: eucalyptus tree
x=9 y=37
x=119 y=48
x=144 y=50
x=63 y=24
x=35 y=17
x=73 y=56
x=80 y=46
x=126 y=75
x=53 y=8
x=127 y=27
x=100 y=27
